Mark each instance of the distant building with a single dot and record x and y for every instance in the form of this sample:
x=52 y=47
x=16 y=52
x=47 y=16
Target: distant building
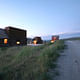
x=37 y=40
x=11 y=36
x=54 y=38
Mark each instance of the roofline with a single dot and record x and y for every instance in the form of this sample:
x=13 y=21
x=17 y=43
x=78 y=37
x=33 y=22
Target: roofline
x=15 y=28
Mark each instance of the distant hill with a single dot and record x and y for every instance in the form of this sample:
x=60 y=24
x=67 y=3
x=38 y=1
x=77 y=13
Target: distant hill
x=63 y=36
x=73 y=38
x=70 y=35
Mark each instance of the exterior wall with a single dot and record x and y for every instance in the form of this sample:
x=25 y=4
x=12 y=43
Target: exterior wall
x=16 y=35
x=3 y=38
x=14 y=42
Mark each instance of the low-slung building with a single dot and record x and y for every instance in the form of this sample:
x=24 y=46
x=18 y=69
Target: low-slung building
x=54 y=38
x=37 y=40
x=11 y=36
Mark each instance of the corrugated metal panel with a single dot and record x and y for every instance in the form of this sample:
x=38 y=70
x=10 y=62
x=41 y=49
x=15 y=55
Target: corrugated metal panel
x=15 y=33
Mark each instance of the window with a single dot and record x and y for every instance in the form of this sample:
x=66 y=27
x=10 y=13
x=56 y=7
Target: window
x=5 y=41
x=17 y=42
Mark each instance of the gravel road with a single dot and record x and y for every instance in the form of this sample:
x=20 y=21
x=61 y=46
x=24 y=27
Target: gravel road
x=35 y=44
x=69 y=62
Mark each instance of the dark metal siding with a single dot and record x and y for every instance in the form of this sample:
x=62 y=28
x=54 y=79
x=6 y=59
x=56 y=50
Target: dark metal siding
x=15 y=34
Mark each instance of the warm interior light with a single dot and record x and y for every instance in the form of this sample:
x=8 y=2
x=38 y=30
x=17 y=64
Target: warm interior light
x=34 y=42
x=5 y=41
x=17 y=42
x=52 y=41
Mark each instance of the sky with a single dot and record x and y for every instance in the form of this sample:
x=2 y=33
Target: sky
x=41 y=17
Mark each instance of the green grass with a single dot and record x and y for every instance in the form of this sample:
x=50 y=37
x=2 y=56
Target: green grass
x=27 y=62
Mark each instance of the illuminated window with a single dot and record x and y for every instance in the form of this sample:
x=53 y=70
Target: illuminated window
x=5 y=41
x=34 y=42
x=17 y=42
x=52 y=41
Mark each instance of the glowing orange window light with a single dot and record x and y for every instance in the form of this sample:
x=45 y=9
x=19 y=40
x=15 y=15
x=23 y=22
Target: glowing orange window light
x=5 y=41
x=52 y=41
x=35 y=42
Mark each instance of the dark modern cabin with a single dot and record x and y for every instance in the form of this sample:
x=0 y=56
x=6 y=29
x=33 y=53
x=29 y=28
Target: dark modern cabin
x=54 y=38
x=11 y=36
x=37 y=40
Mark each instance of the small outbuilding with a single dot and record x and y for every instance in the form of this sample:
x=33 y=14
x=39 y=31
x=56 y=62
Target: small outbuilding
x=37 y=40
x=54 y=38
x=11 y=36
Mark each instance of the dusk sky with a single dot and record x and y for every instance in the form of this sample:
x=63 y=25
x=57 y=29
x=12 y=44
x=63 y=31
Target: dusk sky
x=41 y=17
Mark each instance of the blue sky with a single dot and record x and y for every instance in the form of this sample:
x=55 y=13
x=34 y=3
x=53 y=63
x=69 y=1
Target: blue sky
x=41 y=17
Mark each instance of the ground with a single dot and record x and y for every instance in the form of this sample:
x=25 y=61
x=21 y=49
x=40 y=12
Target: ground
x=68 y=64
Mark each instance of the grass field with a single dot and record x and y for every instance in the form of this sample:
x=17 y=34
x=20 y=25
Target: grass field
x=28 y=62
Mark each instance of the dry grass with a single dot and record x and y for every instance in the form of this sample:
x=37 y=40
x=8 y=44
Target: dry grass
x=27 y=62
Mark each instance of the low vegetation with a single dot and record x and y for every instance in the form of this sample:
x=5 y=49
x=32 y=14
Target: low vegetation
x=74 y=38
x=28 y=62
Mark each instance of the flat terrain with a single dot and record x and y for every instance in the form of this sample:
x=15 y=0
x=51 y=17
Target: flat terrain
x=35 y=44
x=69 y=62
x=28 y=62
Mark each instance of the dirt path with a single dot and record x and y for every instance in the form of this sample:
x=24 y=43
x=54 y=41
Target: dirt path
x=69 y=62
